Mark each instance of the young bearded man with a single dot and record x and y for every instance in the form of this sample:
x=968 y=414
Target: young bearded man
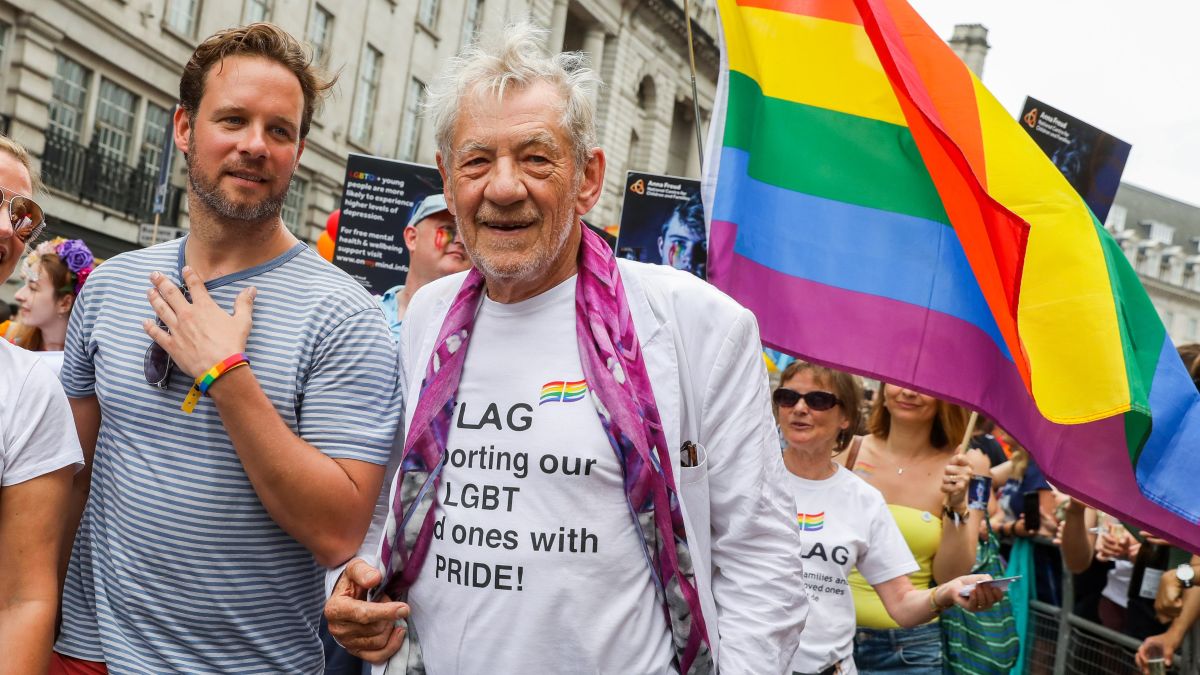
x=601 y=485
x=218 y=488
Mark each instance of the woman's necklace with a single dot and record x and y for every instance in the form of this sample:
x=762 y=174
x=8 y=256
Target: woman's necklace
x=894 y=463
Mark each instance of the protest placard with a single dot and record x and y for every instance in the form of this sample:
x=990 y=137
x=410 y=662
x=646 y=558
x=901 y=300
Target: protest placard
x=378 y=197
x=1092 y=160
x=662 y=221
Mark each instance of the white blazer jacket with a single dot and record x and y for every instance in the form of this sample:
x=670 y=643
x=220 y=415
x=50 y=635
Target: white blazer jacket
x=704 y=358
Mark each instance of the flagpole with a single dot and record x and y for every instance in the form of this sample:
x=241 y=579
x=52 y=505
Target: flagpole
x=687 y=13
x=969 y=432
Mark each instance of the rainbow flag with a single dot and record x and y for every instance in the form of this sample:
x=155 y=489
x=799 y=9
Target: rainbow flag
x=563 y=392
x=811 y=522
x=879 y=211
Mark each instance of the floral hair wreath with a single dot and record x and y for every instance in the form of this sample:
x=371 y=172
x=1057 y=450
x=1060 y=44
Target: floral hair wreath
x=73 y=253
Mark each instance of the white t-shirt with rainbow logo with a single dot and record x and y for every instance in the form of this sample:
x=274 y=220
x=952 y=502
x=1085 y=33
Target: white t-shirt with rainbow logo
x=536 y=564
x=844 y=523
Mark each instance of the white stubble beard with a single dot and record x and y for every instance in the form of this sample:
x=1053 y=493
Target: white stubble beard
x=532 y=266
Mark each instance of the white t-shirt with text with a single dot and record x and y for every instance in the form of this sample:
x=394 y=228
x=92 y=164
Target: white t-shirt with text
x=844 y=523
x=536 y=564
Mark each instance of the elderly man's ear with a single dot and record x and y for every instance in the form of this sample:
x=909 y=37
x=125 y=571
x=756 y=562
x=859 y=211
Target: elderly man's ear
x=592 y=184
x=446 y=191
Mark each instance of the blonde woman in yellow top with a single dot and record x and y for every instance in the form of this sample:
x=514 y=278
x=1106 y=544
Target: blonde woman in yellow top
x=909 y=455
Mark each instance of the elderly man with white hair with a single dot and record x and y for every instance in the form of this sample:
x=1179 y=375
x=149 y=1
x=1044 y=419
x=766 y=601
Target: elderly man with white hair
x=590 y=480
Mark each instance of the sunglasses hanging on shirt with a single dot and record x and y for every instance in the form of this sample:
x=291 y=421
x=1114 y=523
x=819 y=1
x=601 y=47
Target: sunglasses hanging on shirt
x=157 y=364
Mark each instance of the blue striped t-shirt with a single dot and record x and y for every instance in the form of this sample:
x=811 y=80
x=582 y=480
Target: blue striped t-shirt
x=177 y=565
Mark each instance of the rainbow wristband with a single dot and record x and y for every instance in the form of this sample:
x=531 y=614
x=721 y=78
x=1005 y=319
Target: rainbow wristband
x=205 y=381
x=201 y=385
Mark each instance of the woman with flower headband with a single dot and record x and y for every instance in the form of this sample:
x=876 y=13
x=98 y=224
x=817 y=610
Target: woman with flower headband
x=54 y=273
x=39 y=452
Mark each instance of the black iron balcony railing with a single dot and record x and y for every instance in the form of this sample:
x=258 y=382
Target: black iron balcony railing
x=96 y=176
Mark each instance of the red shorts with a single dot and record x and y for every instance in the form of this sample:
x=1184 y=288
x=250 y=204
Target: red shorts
x=69 y=665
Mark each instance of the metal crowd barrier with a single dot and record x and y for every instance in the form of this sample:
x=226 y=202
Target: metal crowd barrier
x=1064 y=643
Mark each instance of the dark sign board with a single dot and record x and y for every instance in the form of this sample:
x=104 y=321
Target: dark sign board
x=662 y=221
x=1091 y=159
x=377 y=199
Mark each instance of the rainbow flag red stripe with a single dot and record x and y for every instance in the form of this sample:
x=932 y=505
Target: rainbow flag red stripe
x=880 y=212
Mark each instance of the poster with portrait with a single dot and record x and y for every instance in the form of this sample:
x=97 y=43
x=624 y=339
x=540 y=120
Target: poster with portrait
x=1091 y=160
x=662 y=221
x=378 y=197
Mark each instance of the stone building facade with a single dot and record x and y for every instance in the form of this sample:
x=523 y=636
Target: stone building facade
x=1161 y=238
x=88 y=87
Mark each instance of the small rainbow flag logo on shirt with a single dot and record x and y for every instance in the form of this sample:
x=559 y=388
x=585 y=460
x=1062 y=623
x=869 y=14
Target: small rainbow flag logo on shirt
x=810 y=522
x=563 y=392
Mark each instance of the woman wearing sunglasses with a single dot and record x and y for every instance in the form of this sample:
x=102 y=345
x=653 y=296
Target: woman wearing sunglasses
x=909 y=456
x=54 y=274
x=39 y=453
x=844 y=523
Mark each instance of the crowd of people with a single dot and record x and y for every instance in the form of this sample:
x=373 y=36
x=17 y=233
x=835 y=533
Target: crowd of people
x=220 y=454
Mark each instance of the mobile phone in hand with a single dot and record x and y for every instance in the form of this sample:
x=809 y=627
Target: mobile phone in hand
x=1031 y=512
x=1001 y=583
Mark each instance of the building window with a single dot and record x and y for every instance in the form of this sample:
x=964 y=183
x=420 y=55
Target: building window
x=683 y=138
x=471 y=21
x=5 y=32
x=293 y=206
x=181 y=16
x=427 y=13
x=411 y=125
x=635 y=152
x=154 y=135
x=1193 y=329
x=368 y=91
x=114 y=120
x=1157 y=232
x=5 y=36
x=256 y=11
x=69 y=97
x=320 y=28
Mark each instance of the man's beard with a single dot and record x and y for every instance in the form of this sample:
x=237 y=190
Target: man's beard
x=216 y=201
